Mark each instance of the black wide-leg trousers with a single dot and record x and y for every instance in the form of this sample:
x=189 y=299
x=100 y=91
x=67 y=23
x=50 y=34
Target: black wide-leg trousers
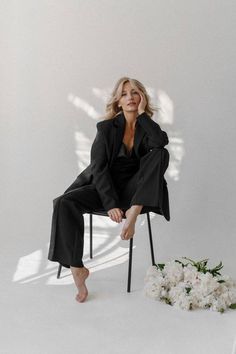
x=67 y=228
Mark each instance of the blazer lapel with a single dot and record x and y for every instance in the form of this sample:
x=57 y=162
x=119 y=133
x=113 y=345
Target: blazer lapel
x=119 y=122
x=138 y=136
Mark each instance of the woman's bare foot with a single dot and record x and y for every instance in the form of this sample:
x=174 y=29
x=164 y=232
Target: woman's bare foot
x=129 y=226
x=80 y=275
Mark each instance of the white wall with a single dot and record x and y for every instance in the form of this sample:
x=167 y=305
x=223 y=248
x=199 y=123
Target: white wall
x=59 y=60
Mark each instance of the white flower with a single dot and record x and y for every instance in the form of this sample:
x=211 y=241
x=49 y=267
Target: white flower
x=152 y=290
x=173 y=271
x=218 y=305
x=229 y=282
x=179 y=298
x=208 y=283
x=154 y=275
x=191 y=274
x=232 y=295
x=152 y=271
x=186 y=288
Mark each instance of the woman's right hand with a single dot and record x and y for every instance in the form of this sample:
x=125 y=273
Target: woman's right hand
x=115 y=214
x=142 y=103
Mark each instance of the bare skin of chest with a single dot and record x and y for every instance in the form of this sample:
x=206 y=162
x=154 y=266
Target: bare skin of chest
x=128 y=138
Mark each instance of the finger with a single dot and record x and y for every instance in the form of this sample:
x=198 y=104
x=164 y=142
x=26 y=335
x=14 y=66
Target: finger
x=112 y=216
x=117 y=215
x=121 y=215
x=141 y=94
x=122 y=234
x=125 y=234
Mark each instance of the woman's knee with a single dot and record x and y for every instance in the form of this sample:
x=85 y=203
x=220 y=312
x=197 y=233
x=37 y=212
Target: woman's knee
x=61 y=199
x=56 y=200
x=161 y=152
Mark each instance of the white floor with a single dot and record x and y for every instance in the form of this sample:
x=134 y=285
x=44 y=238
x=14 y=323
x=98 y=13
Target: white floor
x=40 y=316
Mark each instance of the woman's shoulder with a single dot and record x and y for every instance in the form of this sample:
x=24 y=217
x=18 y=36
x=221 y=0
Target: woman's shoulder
x=105 y=123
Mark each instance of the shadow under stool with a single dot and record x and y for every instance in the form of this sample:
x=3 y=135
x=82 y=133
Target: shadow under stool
x=104 y=213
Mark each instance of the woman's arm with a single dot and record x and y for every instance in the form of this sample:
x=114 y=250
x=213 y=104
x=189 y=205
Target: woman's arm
x=157 y=137
x=101 y=173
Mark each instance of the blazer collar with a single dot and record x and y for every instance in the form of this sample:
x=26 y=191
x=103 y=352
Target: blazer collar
x=119 y=122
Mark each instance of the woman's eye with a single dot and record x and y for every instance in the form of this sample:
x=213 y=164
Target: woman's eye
x=134 y=92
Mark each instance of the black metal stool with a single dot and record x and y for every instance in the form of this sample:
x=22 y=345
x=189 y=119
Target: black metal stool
x=130 y=246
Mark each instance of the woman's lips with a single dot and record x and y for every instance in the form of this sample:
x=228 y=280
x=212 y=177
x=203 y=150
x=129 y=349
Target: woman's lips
x=131 y=103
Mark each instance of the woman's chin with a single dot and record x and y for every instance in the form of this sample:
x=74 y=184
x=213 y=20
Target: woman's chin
x=132 y=109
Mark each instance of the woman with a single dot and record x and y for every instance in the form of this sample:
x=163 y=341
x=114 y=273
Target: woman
x=125 y=178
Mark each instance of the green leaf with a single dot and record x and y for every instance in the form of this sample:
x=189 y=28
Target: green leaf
x=188 y=289
x=177 y=261
x=232 y=306
x=160 y=265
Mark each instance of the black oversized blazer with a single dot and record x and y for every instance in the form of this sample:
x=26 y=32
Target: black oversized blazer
x=105 y=148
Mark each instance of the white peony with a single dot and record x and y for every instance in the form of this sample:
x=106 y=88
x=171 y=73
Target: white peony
x=191 y=274
x=152 y=290
x=186 y=288
x=207 y=284
x=173 y=271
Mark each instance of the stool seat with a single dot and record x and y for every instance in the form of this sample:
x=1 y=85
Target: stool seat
x=104 y=213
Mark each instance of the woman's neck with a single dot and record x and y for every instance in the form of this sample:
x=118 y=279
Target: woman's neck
x=130 y=118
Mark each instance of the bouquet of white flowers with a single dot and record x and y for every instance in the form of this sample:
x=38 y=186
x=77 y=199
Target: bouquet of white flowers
x=191 y=285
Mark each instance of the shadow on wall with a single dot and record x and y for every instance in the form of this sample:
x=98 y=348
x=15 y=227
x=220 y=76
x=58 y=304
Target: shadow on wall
x=35 y=267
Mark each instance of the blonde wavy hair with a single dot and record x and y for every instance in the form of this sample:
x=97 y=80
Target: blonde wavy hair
x=112 y=108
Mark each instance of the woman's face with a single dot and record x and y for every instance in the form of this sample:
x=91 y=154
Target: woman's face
x=130 y=98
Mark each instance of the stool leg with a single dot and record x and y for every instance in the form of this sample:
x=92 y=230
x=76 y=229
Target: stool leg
x=150 y=239
x=59 y=271
x=130 y=263
x=91 y=234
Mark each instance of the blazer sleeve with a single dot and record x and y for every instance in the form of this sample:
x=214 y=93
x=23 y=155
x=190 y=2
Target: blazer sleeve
x=101 y=173
x=157 y=137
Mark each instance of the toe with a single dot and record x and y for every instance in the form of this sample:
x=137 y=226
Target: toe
x=123 y=232
x=81 y=297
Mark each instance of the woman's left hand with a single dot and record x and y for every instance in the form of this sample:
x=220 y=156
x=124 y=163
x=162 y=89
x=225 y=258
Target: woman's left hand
x=142 y=103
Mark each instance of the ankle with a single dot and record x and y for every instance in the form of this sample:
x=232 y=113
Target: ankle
x=136 y=209
x=73 y=267
x=78 y=270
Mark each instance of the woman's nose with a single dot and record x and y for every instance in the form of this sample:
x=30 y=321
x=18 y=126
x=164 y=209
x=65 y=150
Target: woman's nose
x=130 y=95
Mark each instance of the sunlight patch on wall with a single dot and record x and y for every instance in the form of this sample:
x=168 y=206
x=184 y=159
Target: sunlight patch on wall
x=84 y=105
x=176 y=150
x=176 y=143
x=102 y=94
x=82 y=150
x=166 y=105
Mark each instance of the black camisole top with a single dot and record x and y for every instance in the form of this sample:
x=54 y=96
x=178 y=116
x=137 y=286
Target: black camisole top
x=124 y=166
